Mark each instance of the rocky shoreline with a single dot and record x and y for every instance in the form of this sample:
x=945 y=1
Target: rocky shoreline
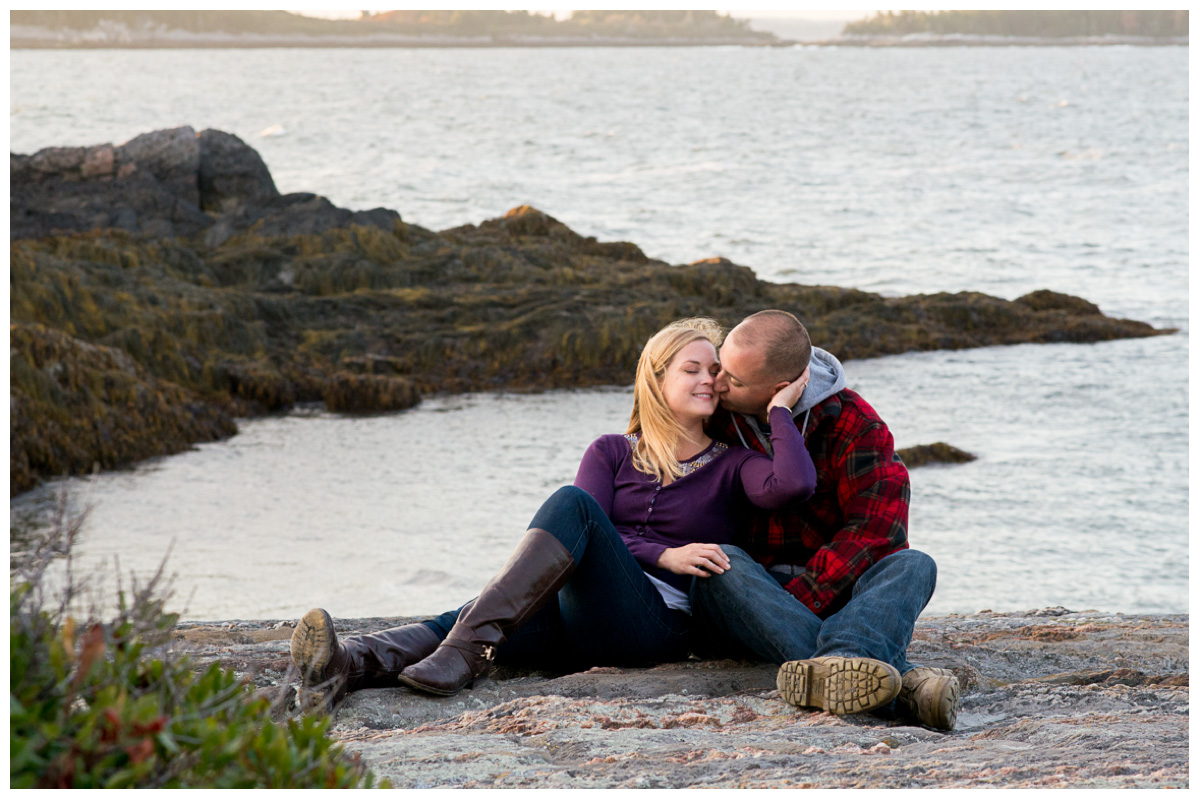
x=163 y=287
x=1052 y=698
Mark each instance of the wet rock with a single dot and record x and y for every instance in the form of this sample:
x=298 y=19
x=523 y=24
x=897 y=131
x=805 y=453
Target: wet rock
x=1038 y=710
x=937 y=453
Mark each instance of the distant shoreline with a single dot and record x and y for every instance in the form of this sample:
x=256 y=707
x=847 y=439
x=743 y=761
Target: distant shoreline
x=241 y=42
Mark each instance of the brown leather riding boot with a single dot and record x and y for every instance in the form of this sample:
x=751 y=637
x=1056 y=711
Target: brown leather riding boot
x=330 y=668
x=533 y=575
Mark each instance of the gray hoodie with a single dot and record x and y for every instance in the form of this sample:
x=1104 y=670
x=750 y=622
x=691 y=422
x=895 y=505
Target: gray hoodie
x=825 y=379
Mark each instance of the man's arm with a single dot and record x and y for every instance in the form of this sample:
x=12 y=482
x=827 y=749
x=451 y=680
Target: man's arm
x=873 y=493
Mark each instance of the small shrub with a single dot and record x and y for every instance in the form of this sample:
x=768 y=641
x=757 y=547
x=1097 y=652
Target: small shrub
x=108 y=704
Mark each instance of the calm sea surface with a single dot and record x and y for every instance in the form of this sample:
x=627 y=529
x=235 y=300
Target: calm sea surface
x=901 y=171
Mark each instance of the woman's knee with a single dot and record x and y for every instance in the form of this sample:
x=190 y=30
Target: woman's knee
x=568 y=516
x=568 y=500
x=567 y=504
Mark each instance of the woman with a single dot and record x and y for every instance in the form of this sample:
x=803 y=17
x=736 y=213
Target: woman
x=602 y=575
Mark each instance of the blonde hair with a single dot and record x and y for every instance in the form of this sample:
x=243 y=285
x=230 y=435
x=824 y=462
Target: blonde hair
x=651 y=418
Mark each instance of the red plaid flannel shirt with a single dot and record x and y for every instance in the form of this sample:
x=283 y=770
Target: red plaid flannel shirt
x=858 y=515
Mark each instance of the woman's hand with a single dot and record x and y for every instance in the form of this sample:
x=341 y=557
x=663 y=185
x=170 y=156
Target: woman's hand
x=789 y=395
x=700 y=560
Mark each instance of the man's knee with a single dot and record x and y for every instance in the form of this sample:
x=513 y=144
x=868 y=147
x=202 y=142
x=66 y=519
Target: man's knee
x=736 y=555
x=913 y=567
x=918 y=564
x=738 y=580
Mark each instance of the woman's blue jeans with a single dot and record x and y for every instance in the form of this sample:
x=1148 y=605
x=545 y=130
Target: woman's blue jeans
x=607 y=614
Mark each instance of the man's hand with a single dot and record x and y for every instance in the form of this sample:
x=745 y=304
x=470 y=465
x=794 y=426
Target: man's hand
x=700 y=560
x=789 y=395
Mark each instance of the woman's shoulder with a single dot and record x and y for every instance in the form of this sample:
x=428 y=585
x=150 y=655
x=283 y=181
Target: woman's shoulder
x=615 y=444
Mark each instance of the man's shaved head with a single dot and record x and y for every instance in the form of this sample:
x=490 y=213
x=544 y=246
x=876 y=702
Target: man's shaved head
x=780 y=339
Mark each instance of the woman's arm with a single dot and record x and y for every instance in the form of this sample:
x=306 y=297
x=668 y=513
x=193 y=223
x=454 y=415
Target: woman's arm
x=597 y=476
x=597 y=473
x=787 y=478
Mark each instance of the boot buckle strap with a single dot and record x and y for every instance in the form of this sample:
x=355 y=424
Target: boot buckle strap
x=487 y=651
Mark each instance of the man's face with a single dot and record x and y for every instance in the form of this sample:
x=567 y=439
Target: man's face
x=740 y=383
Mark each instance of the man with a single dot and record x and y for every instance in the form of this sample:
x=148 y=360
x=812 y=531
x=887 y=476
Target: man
x=829 y=588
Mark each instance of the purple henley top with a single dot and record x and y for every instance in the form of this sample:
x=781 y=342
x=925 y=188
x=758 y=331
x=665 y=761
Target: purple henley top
x=704 y=504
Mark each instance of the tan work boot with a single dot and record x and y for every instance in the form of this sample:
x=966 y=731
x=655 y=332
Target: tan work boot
x=930 y=695
x=838 y=684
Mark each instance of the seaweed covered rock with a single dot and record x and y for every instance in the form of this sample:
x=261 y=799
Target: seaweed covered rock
x=937 y=453
x=178 y=251
x=346 y=392
x=73 y=405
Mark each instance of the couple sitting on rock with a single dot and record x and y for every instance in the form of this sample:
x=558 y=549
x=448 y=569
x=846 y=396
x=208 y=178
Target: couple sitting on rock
x=635 y=564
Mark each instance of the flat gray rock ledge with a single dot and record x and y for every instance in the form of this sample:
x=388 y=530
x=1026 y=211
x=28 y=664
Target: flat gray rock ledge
x=1052 y=698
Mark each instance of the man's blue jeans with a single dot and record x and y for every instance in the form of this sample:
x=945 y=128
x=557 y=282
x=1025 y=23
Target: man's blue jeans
x=747 y=611
x=607 y=614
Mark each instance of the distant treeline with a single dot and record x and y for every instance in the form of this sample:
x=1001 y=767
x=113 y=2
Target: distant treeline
x=581 y=23
x=636 y=24
x=1024 y=23
x=263 y=22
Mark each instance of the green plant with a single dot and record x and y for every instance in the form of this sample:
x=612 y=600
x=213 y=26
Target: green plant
x=108 y=703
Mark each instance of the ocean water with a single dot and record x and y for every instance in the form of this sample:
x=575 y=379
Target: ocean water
x=1001 y=170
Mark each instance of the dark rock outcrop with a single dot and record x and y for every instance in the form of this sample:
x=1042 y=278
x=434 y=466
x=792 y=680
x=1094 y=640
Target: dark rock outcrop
x=937 y=453
x=178 y=251
x=231 y=173
x=1051 y=698
x=165 y=184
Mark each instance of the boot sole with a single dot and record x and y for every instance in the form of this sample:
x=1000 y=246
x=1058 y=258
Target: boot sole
x=312 y=647
x=840 y=686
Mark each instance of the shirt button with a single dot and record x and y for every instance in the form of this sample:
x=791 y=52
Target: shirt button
x=816 y=605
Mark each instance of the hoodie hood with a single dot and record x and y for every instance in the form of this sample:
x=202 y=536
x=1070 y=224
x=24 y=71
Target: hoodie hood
x=825 y=379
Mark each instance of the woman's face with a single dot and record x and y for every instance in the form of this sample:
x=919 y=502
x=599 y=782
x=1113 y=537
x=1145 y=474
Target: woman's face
x=687 y=384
